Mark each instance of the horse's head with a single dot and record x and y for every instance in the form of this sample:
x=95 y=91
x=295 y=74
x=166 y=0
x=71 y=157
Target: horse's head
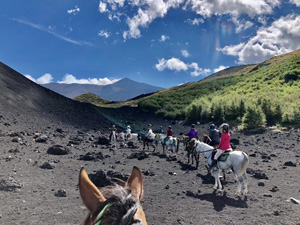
x=117 y=205
x=191 y=143
x=206 y=139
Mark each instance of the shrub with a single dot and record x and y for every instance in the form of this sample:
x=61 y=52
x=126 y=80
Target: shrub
x=291 y=75
x=254 y=118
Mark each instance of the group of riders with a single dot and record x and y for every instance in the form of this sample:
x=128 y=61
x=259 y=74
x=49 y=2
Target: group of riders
x=219 y=140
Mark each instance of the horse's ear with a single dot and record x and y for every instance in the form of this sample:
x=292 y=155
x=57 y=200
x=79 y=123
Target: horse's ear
x=90 y=194
x=135 y=183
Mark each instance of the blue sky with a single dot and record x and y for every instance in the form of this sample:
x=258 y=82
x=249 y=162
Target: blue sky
x=160 y=42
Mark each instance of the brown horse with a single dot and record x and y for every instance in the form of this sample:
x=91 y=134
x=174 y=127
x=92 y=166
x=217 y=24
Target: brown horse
x=191 y=150
x=117 y=205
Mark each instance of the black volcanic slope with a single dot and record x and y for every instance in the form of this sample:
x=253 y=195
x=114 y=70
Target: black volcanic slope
x=25 y=102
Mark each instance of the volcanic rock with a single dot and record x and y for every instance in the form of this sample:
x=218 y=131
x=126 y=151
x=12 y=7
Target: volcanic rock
x=58 y=150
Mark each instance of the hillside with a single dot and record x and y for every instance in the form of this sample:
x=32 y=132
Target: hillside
x=268 y=92
x=25 y=103
x=122 y=90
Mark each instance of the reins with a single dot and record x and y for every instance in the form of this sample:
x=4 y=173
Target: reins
x=97 y=221
x=210 y=150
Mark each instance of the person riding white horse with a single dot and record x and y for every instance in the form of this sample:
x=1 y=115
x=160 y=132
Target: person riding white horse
x=128 y=132
x=150 y=135
x=224 y=144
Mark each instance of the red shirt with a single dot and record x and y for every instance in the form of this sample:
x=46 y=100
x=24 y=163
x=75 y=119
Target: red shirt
x=170 y=132
x=225 y=141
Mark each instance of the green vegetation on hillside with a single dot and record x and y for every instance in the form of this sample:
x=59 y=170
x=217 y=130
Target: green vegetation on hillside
x=91 y=98
x=263 y=94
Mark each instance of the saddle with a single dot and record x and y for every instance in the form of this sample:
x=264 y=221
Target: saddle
x=222 y=157
x=128 y=136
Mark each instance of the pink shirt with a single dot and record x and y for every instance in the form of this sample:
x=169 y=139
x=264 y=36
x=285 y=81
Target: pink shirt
x=225 y=141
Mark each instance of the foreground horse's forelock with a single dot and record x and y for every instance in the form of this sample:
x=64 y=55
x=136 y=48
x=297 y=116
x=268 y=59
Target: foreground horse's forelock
x=115 y=205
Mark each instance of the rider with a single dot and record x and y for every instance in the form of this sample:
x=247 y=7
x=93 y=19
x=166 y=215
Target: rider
x=192 y=133
x=161 y=130
x=169 y=134
x=150 y=134
x=113 y=128
x=214 y=135
x=224 y=144
x=128 y=131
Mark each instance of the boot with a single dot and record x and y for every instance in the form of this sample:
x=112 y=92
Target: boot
x=213 y=163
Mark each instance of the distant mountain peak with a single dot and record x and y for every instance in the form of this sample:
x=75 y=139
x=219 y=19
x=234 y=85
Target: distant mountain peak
x=121 y=90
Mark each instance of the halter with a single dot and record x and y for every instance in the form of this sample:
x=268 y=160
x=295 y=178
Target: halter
x=97 y=220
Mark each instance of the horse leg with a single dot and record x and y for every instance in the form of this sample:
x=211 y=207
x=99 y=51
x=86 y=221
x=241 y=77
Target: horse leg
x=245 y=180
x=188 y=155
x=217 y=180
x=239 y=188
x=153 y=145
x=224 y=174
x=197 y=157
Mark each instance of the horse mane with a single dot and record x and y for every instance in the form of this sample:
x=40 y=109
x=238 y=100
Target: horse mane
x=123 y=209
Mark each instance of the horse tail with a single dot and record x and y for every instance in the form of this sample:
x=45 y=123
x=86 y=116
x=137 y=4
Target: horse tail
x=245 y=163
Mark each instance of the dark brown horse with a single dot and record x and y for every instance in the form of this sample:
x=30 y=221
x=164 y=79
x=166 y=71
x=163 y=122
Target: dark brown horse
x=115 y=205
x=191 y=150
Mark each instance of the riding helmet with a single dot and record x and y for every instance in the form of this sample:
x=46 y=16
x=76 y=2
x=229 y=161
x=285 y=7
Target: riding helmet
x=212 y=126
x=170 y=127
x=193 y=126
x=225 y=127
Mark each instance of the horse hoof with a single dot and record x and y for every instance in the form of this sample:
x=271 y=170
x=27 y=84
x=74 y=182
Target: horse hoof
x=215 y=187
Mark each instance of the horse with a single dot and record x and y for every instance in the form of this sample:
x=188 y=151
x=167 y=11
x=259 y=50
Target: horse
x=115 y=204
x=149 y=140
x=170 y=142
x=134 y=137
x=191 y=150
x=237 y=161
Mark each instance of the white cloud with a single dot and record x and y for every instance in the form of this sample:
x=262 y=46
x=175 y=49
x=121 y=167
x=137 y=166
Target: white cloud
x=103 y=33
x=195 y=21
x=70 y=79
x=102 y=7
x=171 y=64
x=280 y=37
x=146 y=11
x=220 y=68
x=297 y=2
x=208 y=8
x=185 y=53
x=74 y=11
x=263 y=20
x=198 y=71
x=30 y=77
x=164 y=38
x=241 y=24
x=178 y=65
x=45 y=79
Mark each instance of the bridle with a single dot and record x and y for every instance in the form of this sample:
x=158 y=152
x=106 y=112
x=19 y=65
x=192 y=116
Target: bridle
x=97 y=220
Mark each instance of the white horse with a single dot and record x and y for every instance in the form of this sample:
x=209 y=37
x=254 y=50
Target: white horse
x=134 y=137
x=237 y=160
x=170 y=143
